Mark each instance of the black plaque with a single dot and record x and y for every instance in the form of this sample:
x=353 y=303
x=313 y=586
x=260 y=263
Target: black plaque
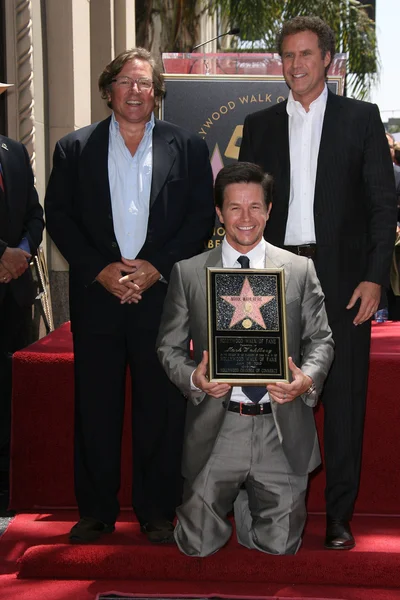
x=247 y=339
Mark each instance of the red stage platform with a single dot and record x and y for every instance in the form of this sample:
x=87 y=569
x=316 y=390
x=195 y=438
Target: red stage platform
x=42 y=428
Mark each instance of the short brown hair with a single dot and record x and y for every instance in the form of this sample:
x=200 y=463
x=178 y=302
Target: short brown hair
x=326 y=37
x=116 y=65
x=242 y=172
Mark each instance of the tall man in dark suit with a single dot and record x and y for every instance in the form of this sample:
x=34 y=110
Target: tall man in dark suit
x=21 y=229
x=335 y=202
x=127 y=198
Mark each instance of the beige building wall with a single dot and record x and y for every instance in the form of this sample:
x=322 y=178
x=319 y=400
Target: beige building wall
x=55 y=51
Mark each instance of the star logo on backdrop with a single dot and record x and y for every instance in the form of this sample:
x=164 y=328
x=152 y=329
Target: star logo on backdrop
x=247 y=306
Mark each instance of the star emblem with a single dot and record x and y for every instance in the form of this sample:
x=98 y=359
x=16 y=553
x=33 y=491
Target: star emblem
x=247 y=306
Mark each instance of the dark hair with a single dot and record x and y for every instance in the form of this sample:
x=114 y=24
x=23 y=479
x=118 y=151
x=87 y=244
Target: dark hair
x=115 y=66
x=242 y=172
x=326 y=37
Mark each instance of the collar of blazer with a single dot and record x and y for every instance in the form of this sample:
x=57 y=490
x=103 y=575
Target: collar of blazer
x=164 y=155
x=331 y=135
x=275 y=258
x=334 y=102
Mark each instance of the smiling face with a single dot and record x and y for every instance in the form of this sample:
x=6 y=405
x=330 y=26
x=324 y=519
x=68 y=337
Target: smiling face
x=128 y=103
x=244 y=215
x=304 y=66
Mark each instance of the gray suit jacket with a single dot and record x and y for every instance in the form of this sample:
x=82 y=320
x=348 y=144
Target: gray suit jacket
x=310 y=345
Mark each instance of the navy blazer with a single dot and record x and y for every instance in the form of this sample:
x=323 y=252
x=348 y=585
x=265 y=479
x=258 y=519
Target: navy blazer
x=79 y=218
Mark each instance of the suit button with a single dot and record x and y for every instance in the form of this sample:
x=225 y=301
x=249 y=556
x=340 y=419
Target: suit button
x=114 y=244
x=110 y=216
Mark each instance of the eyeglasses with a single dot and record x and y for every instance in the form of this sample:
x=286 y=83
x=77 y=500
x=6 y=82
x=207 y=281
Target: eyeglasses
x=143 y=84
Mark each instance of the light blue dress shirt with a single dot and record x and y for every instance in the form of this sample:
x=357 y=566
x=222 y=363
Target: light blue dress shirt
x=130 y=185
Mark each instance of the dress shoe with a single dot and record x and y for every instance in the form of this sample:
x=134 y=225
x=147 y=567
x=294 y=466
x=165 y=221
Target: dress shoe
x=158 y=531
x=338 y=535
x=88 y=530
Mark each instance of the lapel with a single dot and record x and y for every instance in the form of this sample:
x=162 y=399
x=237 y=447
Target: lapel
x=330 y=133
x=6 y=160
x=275 y=258
x=282 y=149
x=163 y=158
x=95 y=164
x=214 y=259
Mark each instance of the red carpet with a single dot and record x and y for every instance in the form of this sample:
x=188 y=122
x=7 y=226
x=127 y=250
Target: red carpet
x=34 y=550
x=42 y=434
x=36 y=546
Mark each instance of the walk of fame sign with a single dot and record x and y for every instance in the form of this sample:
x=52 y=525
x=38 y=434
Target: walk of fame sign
x=247 y=340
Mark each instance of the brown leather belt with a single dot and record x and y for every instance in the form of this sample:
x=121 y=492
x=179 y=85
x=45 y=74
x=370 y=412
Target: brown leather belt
x=250 y=410
x=308 y=250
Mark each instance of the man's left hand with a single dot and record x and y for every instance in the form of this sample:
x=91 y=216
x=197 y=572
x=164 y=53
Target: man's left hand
x=141 y=279
x=370 y=295
x=15 y=260
x=5 y=275
x=286 y=392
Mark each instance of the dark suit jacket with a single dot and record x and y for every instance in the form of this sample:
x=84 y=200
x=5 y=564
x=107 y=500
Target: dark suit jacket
x=79 y=218
x=24 y=213
x=355 y=200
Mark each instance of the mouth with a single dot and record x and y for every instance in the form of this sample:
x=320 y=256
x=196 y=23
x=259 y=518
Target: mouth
x=299 y=75
x=134 y=102
x=249 y=228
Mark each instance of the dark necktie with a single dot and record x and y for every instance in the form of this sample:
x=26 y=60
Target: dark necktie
x=253 y=392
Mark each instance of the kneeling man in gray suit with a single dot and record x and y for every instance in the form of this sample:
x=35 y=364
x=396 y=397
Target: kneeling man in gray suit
x=250 y=454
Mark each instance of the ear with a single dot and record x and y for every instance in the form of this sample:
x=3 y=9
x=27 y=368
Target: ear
x=327 y=58
x=219 y=213
x=269 y=209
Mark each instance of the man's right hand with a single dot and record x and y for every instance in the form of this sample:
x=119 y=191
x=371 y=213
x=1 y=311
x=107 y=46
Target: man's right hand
x=200 y=380
x=109 y=277
x=15 y=260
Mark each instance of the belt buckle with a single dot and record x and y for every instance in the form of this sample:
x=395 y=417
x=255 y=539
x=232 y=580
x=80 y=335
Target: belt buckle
x=242 y=414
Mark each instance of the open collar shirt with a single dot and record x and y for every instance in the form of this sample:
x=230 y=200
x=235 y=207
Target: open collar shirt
x=305 y=130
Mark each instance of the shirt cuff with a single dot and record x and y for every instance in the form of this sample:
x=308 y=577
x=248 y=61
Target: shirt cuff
x=192 y=386
x=24 y=245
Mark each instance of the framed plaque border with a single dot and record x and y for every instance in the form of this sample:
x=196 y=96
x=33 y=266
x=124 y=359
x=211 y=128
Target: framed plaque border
x=211 y=331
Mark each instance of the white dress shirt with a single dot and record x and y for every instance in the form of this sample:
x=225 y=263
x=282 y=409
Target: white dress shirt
x=130 y=185
x=256 y=257
x=305 y=129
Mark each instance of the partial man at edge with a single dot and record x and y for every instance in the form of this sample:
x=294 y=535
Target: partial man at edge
x=21 y=230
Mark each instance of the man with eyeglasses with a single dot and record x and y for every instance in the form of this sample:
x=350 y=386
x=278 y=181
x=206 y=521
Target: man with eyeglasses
x=127 y=198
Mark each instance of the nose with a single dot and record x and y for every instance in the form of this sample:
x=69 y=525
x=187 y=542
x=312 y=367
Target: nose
x=245 y=214
x=296 y=62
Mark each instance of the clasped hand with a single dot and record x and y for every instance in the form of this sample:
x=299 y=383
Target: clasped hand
x=139 y=276
x=13 y=263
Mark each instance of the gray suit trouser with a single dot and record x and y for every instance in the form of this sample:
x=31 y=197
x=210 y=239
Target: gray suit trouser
x=270 y=511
